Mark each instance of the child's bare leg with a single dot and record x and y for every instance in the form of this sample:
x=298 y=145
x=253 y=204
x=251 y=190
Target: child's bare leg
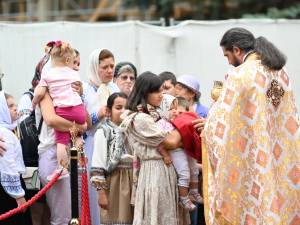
x=62 y=155
x=62 y=161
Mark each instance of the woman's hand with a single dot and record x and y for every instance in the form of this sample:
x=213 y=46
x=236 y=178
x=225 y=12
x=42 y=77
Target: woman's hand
x=102 y=199
x=172 y=140
x=102 y=112
x=199 y=124
x=77 y=87
x=2 y=148
x=21 y=201
x=167 y=160
x=81 y=127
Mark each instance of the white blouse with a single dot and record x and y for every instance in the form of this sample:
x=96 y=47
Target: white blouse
x=11 y=164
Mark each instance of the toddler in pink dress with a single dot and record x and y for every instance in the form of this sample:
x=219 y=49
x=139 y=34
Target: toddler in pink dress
x=67 y=103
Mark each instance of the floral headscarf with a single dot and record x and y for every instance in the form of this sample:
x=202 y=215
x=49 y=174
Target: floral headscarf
x=165 y=106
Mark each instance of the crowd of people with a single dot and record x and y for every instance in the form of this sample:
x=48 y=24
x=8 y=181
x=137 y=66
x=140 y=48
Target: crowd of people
x=155 y=154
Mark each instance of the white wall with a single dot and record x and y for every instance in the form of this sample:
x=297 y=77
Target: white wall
x=191 y=47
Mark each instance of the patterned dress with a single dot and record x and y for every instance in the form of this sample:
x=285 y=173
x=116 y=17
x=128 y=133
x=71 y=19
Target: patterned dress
x=156 y=200
x=112 y=169
x=251 y=150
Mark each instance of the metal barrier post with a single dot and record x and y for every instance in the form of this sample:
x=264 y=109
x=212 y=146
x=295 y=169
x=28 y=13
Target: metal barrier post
x=74 y=178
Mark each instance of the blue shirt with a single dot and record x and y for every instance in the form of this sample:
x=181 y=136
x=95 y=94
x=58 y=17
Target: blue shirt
x=201 y=110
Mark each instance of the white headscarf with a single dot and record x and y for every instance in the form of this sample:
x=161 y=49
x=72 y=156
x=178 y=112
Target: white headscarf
x=5 y=118
x=165 y=106
x=103 y=91
x=93 y=67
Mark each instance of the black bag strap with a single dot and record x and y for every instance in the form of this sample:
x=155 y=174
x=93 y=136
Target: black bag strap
x=40 y=125
x=30 y=94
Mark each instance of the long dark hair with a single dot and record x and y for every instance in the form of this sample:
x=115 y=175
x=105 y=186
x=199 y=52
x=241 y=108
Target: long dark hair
x=111 y=99
x=238 y=37
x=270 y=55
x=145 y=84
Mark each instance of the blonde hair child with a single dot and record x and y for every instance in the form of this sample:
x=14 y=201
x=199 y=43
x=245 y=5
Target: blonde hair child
x=57 y=81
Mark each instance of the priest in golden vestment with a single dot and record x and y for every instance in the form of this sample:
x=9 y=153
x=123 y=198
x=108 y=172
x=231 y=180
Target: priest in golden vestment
x=251 y=139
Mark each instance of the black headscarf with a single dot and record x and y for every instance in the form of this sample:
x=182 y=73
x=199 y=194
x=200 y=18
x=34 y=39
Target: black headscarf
x=120 y=65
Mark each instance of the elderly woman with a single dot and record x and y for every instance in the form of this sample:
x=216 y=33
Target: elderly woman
x=125 y=76
x=95 y=94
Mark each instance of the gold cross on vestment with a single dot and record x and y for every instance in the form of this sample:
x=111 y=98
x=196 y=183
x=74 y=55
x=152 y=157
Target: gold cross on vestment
x=275 y=93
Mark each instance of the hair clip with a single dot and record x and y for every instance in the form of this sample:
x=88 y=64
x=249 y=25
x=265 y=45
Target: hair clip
x=58 y=44
x=51 y=44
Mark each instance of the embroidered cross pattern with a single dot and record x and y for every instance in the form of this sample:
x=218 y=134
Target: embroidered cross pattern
x=275 y=93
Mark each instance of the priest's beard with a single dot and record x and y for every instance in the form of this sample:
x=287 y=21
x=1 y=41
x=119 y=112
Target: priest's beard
x=236 y=62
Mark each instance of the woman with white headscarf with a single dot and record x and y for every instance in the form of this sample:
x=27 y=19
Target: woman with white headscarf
x=12 y=187
x=95 y=94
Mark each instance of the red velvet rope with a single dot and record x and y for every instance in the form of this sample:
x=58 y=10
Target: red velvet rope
x=32 y=200
x=85 y=204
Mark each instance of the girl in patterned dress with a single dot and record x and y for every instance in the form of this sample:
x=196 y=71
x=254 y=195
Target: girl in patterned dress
x=156 y=199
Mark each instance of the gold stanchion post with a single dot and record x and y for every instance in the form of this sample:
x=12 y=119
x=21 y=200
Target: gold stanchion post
x=74 y=177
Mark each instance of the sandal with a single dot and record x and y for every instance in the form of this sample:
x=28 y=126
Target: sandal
x=196 y=197
x=187 y=204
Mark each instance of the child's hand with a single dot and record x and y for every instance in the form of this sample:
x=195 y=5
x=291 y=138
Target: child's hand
x=102 y=199
x=81 y=127
x=102 y=112
x=21 y=201
x=77 y=87
x=167 y=160
x=199 y=124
